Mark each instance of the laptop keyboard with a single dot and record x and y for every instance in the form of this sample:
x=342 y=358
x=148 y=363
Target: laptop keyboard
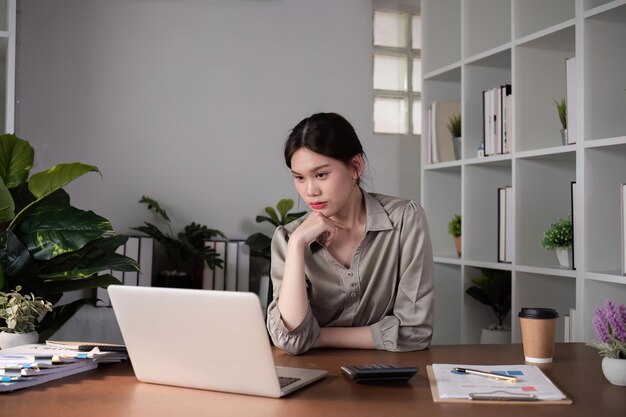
x=285 y=380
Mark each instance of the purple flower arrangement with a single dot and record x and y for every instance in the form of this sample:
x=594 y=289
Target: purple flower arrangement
x=610 y=325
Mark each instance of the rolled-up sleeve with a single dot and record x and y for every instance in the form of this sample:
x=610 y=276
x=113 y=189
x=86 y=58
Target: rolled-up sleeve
x=301 y=338
x=410 y=326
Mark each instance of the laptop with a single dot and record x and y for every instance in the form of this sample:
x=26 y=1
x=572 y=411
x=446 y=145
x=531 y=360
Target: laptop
x=212 y=340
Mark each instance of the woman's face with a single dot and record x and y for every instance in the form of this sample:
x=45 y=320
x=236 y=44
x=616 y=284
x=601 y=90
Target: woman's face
x=324 y=183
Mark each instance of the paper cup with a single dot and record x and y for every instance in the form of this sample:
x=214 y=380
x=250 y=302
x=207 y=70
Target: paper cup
x=538 y=331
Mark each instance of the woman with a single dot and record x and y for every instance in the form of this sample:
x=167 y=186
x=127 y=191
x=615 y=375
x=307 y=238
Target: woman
x=356 y=272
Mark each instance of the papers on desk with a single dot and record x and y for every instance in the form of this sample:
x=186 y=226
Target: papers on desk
x=532 y=385
x=29 y=365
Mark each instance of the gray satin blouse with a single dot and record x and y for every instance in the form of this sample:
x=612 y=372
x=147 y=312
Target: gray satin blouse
x=388 y=287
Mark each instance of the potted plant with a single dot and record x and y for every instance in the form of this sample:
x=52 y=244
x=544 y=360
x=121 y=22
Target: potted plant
x=454 y=229
x=560 y=237
x=454 y=126
x=20 y=314
x=47 y=246
x=610 y=326
x=186 y=250
x=493 y=288
x=561 y=108
x=260 y=243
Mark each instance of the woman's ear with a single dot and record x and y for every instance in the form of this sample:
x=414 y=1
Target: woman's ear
x=357 y=163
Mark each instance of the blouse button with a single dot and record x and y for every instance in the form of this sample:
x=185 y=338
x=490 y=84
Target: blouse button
x=353 y=295
x=353 y=284
x=350 y=274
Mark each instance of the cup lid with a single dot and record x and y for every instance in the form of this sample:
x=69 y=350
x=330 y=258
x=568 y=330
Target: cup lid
x=538 y=313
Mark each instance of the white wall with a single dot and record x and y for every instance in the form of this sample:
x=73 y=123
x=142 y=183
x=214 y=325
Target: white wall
x=190 y=101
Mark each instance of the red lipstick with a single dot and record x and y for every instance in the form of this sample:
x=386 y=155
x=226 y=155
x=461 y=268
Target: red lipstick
x=318 y=205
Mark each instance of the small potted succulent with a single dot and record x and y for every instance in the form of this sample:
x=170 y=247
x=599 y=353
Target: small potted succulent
x=20 y=313
x=454 y=229
x=493 y=288
x=454 y=127
x=560 y=237
x=610 y=326
x=561 y=108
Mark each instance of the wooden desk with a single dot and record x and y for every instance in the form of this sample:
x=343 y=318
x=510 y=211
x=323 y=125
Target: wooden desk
x=113 y=390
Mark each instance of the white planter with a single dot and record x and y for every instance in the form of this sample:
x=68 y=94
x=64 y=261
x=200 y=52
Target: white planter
x=8 y=340
x=495 y=337
x=564 y=255
x=615 y=370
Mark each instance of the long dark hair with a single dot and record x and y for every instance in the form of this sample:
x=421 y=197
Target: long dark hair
x=327 y=134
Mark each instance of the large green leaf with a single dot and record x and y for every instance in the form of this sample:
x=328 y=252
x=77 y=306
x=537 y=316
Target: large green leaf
x=284 y=206
x=50 y=180
x=50 y=230
x=16 y=160
x=7 y=205
x=16 y=261
x=95 y=281
x=98 y=255
x=56 y=318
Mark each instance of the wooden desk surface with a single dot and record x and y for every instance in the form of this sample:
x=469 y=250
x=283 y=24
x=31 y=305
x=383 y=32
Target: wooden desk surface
x=113 y=390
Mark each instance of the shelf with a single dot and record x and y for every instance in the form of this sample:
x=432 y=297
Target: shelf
x=537 y=290
x=481 y=75
x=476 y=315
x=442 y=200
x=605 y=172
x=498 y=160
x=481 y=206
x=489 y=265
x=448 y=259
x=621 y=140
x=559 y=151
x=448 y=287
x=450 y=73
x=542 y=196
x=441 y=44
x=596 y=293
x=540 y=80
x=529 y=21
x=594 y=7
x=443 y=165
x=486 y=25
x=605 y=58
x=614 y=277
x=548 y=271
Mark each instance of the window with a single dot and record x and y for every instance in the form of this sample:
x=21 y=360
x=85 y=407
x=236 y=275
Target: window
x=397 y=77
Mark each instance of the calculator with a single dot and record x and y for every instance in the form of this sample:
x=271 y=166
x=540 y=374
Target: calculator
x=379 y=373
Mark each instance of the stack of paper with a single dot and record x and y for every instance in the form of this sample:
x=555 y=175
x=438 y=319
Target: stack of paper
x=532 y=383
x=29 y=365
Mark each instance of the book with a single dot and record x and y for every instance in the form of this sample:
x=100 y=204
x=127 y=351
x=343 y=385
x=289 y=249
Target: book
x=243 y=266
x=442 y=112
x=573 y=192
x=219 y=283
x=146 y=249
x=508 y=233
x=230 y=265
x=29 y=365
x=131 y=249
x=87 y=346
x=502 y=224
x=208 y=274
x=571 y=92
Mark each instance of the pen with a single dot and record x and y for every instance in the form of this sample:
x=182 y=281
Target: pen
x=486 y=374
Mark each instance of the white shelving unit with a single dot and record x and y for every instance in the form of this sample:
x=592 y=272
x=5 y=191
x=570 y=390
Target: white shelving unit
x=7 y=65
x=473 y=45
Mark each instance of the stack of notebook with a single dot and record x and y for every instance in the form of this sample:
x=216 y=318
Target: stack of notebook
x=29 y=365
